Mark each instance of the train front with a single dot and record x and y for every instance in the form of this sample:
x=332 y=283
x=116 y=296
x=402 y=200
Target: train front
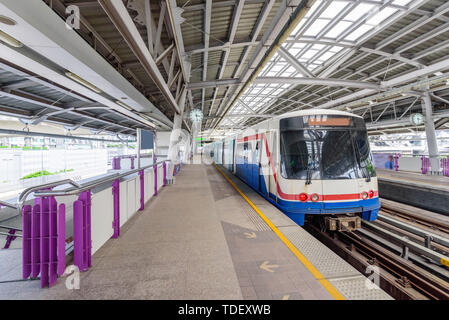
x=325 y=160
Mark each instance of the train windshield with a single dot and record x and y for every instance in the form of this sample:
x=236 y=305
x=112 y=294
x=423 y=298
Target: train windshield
x=331 y=148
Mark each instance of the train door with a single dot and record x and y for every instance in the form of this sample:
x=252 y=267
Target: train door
x=273 y=163
x=264 y=165
x=256 y=166
x=231 y=155
x=246 y=155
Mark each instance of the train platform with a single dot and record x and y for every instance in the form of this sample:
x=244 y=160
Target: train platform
x=423 y=191
x=208 y=236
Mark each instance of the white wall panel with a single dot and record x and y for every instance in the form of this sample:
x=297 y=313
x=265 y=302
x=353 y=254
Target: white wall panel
x=410 y=164
x=123 y=202
x=102 y=217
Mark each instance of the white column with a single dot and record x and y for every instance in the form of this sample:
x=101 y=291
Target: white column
x=176 y=133
x=432 y=145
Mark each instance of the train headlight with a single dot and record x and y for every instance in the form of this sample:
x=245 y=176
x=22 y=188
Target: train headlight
x=303 y=197
x=365 y=195
x=315 y=197
x=371 y=194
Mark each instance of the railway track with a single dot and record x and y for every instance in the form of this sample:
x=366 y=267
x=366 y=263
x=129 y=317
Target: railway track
x=407 y=250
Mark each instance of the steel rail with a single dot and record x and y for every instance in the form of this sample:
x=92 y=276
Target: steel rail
x=429 y=253
x=420 y=279
x=426 y=221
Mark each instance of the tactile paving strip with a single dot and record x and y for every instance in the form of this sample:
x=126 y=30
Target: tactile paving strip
x=328 y=263
x=356 y=289
x=259 y=224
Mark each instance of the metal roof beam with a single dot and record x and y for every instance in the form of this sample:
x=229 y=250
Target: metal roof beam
x=295 y=63
x=212 y=84
x=225 y=56
x=120 y=17
x=319 y=81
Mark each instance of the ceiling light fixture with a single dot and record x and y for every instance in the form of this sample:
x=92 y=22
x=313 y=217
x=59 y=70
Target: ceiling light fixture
x=82 y=81
x=13 y=42
x=7 y=21
x=124 y=105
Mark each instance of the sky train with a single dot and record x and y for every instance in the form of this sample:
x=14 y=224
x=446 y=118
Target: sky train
x=310 y=164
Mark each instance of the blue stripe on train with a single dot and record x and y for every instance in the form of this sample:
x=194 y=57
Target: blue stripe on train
x=297 y=210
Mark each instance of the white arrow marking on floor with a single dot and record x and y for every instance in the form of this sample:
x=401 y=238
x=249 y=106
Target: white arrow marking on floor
x=251 y=235
x=286 y=297
x=267 y=267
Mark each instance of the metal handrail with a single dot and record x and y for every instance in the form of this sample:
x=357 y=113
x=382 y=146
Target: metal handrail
x=95 y=183
x=77 y=188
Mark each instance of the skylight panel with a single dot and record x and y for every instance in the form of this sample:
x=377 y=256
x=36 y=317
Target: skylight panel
x=358 y=12
x=335 y=49
x=402 y=2
x=359 y=32
x=318 y=46
x=277 y=67
x=327 y=56
x=334 y=8
x=294 y=52
x=299 y=27
x=298 y=45
x=381 y=16
x=338 y=29
x=313 y=8
x=266 y=91
x=316 y=27
x=312 y=66
x=309 y=53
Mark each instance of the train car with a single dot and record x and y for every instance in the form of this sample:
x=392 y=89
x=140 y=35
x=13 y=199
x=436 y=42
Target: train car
x=312 y=165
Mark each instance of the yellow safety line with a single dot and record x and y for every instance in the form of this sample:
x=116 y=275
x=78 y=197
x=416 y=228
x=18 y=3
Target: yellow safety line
x=324 y=282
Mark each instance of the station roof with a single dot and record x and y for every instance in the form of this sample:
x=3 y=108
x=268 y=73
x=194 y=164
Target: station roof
x=239 y=61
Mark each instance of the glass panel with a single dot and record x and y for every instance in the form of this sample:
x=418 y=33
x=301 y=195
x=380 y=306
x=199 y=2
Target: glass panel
x=298 y=155
x=337 y=148
x=363 y=152
x=337 y=153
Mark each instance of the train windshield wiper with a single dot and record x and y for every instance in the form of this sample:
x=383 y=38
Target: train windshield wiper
x=309 y=175
x=364 y=167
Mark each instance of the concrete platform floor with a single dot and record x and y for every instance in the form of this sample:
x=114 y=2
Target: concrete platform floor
x=197 y=240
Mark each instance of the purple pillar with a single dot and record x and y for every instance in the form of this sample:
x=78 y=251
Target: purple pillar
x=61 y=240
x=116 y=195
x=53 y=242
x=35 y=240
x=165 y=173
x=396 y=162
x=142 y=190
x=82 y=231
x=43 y=236
x=45 y=240
x=26 y=242
x=86 y=198
x=78 y=235
x=155 y=180
x=116 y=165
